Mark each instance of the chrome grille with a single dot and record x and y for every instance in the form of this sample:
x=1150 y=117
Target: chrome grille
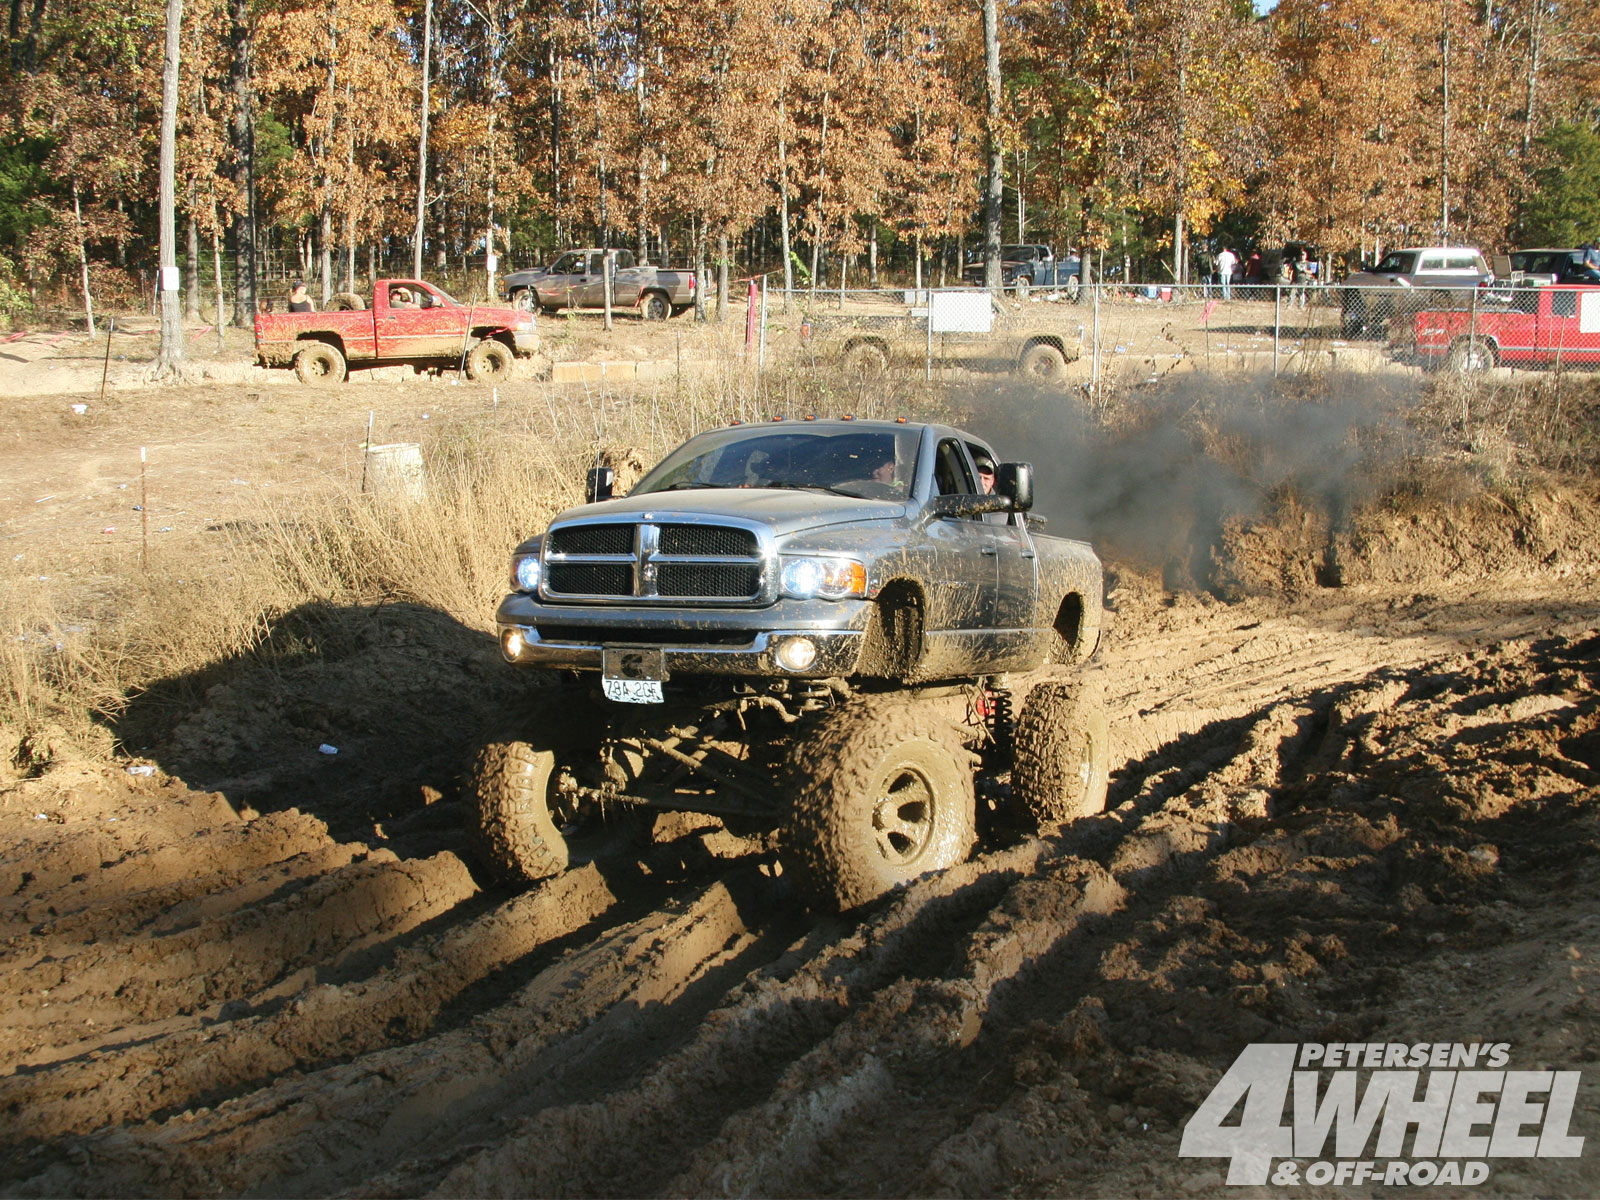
x=708 y=579
x=654 y=561
x=719 y=540
x=592 y=579
x=592 y=539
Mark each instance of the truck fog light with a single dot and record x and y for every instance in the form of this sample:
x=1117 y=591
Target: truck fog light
x=796 y=654
x=511 y=644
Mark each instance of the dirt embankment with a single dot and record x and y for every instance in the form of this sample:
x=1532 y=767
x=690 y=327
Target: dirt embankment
x=1370 y=823
x=1362 y=813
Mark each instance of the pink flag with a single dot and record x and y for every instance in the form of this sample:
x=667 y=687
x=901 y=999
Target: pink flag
x=1205 y=313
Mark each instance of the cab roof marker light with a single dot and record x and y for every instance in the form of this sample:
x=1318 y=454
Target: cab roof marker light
x=899 y=420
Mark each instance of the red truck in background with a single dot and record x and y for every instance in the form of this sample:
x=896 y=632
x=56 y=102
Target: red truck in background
x=1521 y=325
x=409 y=322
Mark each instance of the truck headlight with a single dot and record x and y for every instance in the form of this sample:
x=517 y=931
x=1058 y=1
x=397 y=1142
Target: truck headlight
x=807 y=578
x=525 y=572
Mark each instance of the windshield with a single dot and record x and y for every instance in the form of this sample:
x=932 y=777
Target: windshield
x=1397 y=263
x=874 y=464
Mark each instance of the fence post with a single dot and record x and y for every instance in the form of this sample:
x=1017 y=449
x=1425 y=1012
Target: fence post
x=1277 y=322
x=1094 y=348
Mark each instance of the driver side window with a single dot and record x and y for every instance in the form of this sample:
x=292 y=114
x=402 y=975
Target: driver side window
x=951 y=475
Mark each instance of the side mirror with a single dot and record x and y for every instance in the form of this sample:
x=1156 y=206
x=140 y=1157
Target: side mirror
x=600 y=484
x=967 y=505
x=1015 y=481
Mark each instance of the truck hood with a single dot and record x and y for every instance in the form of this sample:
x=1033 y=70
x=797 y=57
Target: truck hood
x=784 y=510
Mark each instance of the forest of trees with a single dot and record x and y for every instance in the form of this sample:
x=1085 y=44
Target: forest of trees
x=800 y=137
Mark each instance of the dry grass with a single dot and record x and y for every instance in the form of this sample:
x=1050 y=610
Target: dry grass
x=70 y=662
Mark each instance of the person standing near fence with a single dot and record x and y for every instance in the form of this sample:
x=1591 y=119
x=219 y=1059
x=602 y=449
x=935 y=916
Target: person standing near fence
x=1301 y=275
x=1227 y=260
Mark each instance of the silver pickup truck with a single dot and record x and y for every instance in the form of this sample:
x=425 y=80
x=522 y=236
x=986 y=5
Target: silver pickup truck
x=818 y=628
x=577 y=280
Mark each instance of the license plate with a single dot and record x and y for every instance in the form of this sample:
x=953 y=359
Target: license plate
x=633 y=676
x=633 y=691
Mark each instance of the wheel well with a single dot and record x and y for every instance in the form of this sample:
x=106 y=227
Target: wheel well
x=490 y=333
x=1069 y=626
x=1482 y=339
x=327 y=339
x=894 y=639
x=877 y=343
x=1055 y=343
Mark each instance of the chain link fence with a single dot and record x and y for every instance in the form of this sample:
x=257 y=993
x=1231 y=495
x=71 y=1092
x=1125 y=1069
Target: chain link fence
x=1109 y=333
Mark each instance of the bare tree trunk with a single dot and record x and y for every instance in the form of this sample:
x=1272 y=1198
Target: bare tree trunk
x=216 y=274
x=783 y=205
x=191 y=265
x=243 y=136
x=83 y=259
x=722 y=276
x=992 y=89
x=422 y=141
x=1444 y=122
x=171 y=352
x=1534 y=48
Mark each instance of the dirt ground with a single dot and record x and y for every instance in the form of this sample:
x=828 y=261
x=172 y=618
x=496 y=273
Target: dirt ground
x=1364 y=813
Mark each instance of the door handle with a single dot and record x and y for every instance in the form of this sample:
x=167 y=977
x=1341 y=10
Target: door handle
x=990 y=551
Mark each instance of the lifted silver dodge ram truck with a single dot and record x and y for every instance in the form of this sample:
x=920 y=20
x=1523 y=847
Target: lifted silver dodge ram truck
x=830 y=629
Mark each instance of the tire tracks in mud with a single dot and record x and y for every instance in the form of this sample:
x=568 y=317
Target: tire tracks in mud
x=1018 y=1021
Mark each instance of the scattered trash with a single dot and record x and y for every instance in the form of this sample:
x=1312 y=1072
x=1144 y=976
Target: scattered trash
x=109 y=529
x=138 y=508
x=80 y=409
x=1122 y=350
x=165 y=529
x=42 y=499
x=240 y=482
x=424 y=416
x=142 y=769
x=327 y=749
x=40 y=817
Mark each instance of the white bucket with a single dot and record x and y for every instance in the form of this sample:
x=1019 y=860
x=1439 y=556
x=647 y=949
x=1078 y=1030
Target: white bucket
x=395 y=471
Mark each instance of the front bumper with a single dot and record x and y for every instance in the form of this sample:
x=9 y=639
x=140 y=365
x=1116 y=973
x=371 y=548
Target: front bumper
x=693 y=641
x=526 y=341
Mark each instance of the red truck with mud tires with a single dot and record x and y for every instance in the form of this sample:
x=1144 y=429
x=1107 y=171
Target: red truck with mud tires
x=1549 y=324
x=408 y=321
x=848 y=636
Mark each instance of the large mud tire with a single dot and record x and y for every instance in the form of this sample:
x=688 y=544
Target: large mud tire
x=525 y=300
x=519 y=825
x=1469 y=356
x=865 y=360
x=489 y=361
x=1062 y=755
x=319 y=365
x=1043 y=364
x=346 y=302
x=882 y=794
x=655 y=307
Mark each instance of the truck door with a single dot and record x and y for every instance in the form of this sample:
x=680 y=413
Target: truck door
x=962 y=571
x=1015 y=572
x=1569 y=324
x=414 y=321
x=559 y=287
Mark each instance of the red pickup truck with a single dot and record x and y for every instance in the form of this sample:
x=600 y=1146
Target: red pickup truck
x=409 y=322
x=1522 y=325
